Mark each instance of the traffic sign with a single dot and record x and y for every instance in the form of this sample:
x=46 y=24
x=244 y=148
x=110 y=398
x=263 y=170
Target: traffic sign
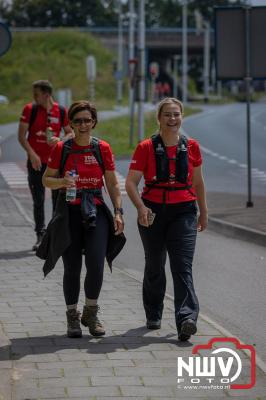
x=91 y=68
x=5 y=38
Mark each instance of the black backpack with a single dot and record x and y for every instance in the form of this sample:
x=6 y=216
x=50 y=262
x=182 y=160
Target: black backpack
x=34 y=112
x=67 y=149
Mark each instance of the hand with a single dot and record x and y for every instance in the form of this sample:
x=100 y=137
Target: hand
x=69 y=181
x=118 y=223
x=35 y=161
x=143 y=215
x=53 y=140
x=202 y=221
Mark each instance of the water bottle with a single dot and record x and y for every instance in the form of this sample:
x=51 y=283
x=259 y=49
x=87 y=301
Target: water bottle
x=71 y=192
x=49 y=134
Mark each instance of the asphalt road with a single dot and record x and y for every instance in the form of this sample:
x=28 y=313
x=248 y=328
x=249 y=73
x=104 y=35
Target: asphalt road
x=229 y=274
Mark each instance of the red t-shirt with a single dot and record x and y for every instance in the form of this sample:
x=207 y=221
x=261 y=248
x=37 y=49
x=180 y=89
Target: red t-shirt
x=90 y=174
x=144 y=160
x=36 y=136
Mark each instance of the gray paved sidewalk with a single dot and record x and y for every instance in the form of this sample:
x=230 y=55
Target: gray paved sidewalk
x=38 y=361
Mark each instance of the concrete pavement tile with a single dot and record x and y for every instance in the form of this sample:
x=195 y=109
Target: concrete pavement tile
x=81 y=381
x=159 y=381
x=89 y=372
x=165 y=355
x=93 y=391
x=110 y=363
x=47 y=393
x=39 y=374
x=145 y=355
x=147 y=391
x=116 y=381
x=139 y=371
x=56 y=365
x=82 y=357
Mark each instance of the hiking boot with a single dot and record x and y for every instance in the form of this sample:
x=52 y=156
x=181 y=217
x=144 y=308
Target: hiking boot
x=90 y=319
x=73 y=324
x=156 y=324
x=38 y=242
x=188 y=328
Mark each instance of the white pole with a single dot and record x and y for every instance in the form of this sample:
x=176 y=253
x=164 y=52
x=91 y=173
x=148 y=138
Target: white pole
x=175 y=91
x=120 y=55
x=184 y=52
x=131 y=66
x=141 y=53
x=206 y=66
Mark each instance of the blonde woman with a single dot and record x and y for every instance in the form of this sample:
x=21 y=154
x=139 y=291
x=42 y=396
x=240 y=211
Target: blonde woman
x=167 y=215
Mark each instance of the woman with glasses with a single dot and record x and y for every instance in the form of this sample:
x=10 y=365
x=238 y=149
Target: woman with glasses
x=167 y=215
x=80 y=166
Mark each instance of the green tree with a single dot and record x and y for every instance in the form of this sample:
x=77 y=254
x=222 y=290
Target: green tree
x=51 y=13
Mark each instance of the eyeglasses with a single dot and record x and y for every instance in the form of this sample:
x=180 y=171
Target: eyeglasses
x=172 y=115
x=80 y=121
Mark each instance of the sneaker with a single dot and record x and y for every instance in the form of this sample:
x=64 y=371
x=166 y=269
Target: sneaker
x=156 y=324
x=73 y=324
x=90 y=319
x=188 y=328
x=38 y=242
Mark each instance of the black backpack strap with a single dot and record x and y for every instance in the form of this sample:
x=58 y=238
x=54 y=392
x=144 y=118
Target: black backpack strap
x=34 y=111
x=62 y=115
x=97 y=152
x=161 y=158
x=65 y=153
x=182 y=160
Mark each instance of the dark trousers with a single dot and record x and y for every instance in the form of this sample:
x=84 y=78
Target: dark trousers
x=94 y=242
x=38 y=196
x=173 y=231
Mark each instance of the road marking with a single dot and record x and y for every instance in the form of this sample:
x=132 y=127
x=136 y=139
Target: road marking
x=256 y=173
x=14 y=176
x=122 y=181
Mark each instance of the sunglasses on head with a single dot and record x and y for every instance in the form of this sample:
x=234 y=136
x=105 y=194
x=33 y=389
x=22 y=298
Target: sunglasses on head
x=80 y=121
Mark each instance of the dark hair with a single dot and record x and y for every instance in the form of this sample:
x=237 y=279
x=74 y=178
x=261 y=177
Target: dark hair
x=82 y=105
x=44 y=85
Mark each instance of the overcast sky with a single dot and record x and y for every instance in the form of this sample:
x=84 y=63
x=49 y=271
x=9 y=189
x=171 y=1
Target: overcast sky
x=258 y=2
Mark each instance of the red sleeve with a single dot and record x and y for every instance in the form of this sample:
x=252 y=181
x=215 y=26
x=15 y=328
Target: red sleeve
x=55 y=156
x=26 y=113
x=107 y=156
x=140 y=157
x=195 y=154
x=66 y=121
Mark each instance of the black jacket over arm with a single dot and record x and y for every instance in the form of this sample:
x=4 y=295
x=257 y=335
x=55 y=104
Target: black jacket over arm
x=57 y=237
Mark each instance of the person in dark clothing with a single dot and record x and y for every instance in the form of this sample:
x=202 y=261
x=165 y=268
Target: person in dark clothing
x=167 y=215
x=88 y=221
x=42 y=120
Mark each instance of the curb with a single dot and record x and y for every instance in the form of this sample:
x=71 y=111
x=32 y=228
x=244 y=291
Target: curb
x=237 y=231
x=259 y=362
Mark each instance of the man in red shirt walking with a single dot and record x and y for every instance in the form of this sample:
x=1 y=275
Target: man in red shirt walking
x=39 y=130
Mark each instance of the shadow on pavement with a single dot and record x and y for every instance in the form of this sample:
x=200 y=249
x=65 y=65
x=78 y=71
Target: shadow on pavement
x=16 y=254
x=130 y=340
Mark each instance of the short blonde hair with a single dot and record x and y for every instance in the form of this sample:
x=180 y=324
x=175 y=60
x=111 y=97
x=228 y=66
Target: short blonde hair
x=169 y=100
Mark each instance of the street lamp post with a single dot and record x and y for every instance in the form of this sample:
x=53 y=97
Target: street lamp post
x=175 y=75
x=119 y=71
x=132 y=67
x=184 y=52
x=141 y=65
x=206 y=66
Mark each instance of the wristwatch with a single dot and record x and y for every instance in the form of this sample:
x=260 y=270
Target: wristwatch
x=118 y=210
